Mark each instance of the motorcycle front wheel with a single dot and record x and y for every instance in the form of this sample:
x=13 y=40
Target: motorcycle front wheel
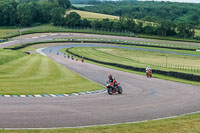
x=110 y=91
x=119 y=89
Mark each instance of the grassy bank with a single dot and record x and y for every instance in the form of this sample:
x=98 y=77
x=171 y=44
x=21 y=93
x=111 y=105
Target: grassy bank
x=9 y=55
x=92 y=15
x=36 y=74
x=183 y=124
x=138 y=58
x=144 y=66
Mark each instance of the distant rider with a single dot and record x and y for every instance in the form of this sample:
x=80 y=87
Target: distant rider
x=82 y=60
x=148 y=69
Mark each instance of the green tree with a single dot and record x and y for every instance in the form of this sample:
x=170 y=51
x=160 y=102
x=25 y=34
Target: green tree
x=106 y=24
x=85 y=23
x=73 y=19
x=64 y=3
x=57 y=16
x=8 y=13
x=182 y=30
x=25 y=14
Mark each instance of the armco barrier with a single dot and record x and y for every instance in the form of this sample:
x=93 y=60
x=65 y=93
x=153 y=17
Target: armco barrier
x=179 y=75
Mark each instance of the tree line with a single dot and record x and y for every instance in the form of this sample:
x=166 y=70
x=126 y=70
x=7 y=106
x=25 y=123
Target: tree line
x=29 y=12
x=172 y=19
x=165 y=28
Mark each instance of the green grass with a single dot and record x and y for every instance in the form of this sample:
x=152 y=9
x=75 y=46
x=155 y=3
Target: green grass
x=143 y=42
x=92 y=15
x=100 y=16
x=7 y=31
x=183 y=124
x=9 y=55
x=36 y=74
x=144 y=74
x=197 y=32
x=81 y=5
x=137 y=58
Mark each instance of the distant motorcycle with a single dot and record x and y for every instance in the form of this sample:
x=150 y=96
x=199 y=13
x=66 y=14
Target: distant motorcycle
x=113 y=87
x=149 y=73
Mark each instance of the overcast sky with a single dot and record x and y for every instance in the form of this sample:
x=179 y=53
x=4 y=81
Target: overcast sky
x=188 y=1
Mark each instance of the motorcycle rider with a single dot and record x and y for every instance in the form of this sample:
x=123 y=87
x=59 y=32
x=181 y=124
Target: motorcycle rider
x=110 y=78
x=148 y=69
x=113 y=86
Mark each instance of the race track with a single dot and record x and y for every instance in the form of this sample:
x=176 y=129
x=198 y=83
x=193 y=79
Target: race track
x=143 y=99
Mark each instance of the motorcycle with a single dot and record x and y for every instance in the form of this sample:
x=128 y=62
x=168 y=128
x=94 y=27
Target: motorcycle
x=113 y=87
x=149 y=74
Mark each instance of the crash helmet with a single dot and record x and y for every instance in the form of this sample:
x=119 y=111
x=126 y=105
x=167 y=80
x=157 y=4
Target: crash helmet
x=110 y=77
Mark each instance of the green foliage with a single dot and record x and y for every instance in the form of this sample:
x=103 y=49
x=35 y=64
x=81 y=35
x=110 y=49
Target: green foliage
x=73 y=19
x=64 y=3
x=24 y=13
x=28 y=12
x=8 y=13
x=57 y=16
x=150 y=11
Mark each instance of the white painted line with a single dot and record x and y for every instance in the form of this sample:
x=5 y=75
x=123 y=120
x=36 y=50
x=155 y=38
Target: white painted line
x=7 y=96
x=52 y=95
x=64 y=34
x=43 y=35
x=4 y=43
x=22 y=95
x=40 y=51
x=37 y=95
x=35 y=37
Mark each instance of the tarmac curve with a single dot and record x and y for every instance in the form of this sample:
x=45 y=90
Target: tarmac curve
x=142 y=99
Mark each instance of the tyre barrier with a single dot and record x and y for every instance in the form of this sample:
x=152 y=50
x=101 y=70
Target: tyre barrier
x=3 y=40
x=178 y=75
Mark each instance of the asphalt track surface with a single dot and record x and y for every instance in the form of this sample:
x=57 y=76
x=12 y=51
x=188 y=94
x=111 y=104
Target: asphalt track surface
x=49 y=36
x=142 y=99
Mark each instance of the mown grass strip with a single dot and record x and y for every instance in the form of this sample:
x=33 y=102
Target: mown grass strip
x=36 y=74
